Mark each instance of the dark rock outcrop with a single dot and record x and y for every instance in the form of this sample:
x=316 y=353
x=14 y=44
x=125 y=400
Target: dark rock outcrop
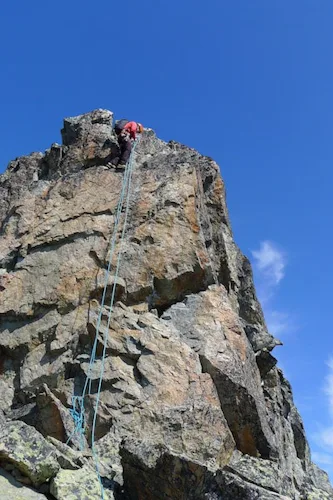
x=192 y=404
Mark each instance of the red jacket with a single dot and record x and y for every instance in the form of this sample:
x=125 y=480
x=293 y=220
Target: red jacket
x=132 y=128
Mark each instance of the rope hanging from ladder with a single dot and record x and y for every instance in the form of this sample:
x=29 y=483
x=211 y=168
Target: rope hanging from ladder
x=78 y=409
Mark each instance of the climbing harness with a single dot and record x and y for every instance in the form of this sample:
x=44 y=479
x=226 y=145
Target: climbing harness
x=78 y=408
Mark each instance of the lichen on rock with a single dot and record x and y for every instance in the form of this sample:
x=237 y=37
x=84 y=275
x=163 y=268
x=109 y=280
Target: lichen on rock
x=32 y=455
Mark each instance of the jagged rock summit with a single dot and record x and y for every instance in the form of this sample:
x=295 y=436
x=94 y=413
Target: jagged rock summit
x=192 y=405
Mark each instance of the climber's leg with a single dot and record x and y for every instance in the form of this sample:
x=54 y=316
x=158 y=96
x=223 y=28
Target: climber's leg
x=125 y=144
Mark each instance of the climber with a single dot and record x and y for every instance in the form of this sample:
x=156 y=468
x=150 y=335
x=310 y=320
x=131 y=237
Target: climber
x=126 y=132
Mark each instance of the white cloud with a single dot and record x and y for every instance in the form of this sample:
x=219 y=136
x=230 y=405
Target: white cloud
x=270 y=261
x=269 y=265
x=269 y=269
x=322 y=441
x=324 y=437
x=322 y=458
x=328 y=388
x=278 y=322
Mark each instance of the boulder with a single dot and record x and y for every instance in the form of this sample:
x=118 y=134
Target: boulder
x=13 y=490
x=80 y=484
x=22 y=446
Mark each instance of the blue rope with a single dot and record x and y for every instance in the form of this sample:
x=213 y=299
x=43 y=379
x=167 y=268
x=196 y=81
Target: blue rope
x=128 y=181
x=78 y=401
x=78 y=417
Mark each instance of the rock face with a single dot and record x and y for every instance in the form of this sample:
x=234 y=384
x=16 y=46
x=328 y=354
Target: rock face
x=192 y=405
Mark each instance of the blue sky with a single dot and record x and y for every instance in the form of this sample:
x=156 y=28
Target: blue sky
x=246 y=82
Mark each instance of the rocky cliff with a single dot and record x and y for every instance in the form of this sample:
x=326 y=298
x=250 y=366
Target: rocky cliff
x=192 y=405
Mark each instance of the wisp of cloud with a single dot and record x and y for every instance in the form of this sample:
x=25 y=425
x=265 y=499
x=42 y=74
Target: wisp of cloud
x=270 y=261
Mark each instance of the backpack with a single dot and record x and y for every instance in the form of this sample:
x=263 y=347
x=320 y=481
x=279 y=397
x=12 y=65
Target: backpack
x=120 y=124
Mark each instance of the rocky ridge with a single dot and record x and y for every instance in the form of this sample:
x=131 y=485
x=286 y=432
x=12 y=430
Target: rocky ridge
x=193 y=405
